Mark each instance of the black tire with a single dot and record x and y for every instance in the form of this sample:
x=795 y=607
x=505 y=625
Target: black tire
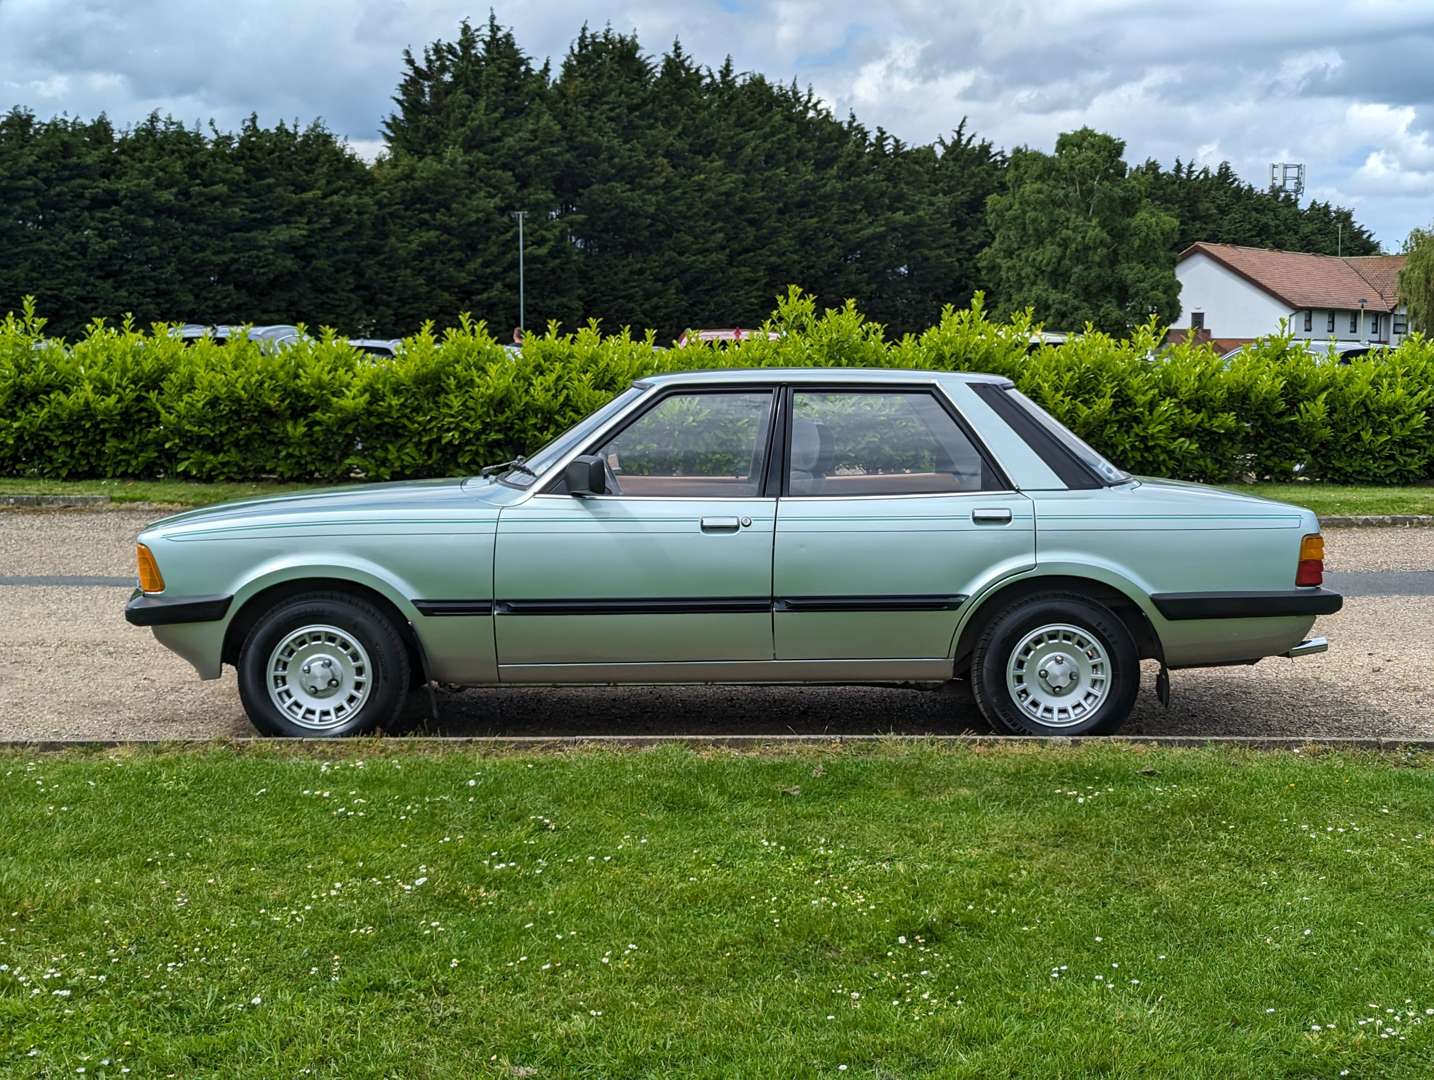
x=1004 y=633
x=370 y=628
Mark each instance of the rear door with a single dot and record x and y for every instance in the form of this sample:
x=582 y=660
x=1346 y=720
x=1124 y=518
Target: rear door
x=891 y=514
x=672 y=566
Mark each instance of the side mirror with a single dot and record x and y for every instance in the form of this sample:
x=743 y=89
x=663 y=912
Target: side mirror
x=585 y=475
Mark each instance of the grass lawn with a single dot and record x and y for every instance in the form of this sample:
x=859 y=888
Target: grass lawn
x=1347 y=499
x=892 y=911
x=1324 y=499
x=171 y=492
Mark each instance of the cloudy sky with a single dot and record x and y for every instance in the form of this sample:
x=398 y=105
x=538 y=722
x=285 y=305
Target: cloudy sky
x=1345 y=86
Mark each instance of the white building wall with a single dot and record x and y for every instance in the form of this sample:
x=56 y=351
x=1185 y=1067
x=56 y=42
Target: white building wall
x=1233 y=307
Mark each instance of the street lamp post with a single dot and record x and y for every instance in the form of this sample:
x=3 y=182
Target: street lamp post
x=520 y=215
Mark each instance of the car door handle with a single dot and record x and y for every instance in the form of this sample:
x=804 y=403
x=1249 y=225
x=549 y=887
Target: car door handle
x=721 y=524
x=991 y=516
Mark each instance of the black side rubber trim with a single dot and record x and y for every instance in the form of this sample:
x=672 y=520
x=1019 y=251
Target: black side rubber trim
x=145 y=610
x=454 y=607
x=922 y=602
x=666 y=606
x=1246 y=605
x=1072 y=471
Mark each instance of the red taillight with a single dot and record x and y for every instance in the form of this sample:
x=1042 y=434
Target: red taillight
x=1311 y=568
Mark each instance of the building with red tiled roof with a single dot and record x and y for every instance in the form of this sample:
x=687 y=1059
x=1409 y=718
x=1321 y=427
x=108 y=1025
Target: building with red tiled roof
x=1233 y=294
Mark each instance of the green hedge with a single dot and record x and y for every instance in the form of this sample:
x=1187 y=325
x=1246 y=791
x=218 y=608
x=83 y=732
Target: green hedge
x=125 y=403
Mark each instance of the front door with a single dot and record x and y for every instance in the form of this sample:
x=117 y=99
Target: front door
x=671 y=567
x=891 y=515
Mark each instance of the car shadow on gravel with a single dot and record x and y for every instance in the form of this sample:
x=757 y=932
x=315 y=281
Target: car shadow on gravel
x=696 y=710
x=1221 y=702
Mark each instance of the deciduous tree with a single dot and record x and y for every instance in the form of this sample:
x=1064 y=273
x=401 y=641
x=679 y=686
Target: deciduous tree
x=1416 y=280
x=1076 y=237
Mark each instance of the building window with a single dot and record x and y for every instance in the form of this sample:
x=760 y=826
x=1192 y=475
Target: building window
x=1309 y=320
x=1354 y=322
x=1374 y=324
x=1329 y=326
x=1197 y=320
x=1401 y=323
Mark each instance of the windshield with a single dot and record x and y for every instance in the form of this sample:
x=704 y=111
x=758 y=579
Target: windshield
x=548 y=456
x=1082 y=450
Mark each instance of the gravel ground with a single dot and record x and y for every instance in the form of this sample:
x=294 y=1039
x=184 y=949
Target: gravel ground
x=1379 y=549
x=71 y=667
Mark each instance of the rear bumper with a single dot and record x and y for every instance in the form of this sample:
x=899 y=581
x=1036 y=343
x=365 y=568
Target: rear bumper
x=1247 y=605
x=145 y=610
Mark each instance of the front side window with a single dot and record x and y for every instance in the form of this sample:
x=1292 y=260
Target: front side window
x=1374 y=324
x=1197 y=320
x=1401 y=323
x=693 y=445
x=870 y=442
x=1329 y=325
x=541 y=460
x=1309 y=319
x=1354 y=322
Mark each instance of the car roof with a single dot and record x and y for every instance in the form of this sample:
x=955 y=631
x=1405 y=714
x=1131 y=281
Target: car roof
x=815 y=375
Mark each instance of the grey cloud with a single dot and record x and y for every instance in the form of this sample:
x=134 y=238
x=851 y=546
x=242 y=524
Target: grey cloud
x=1245 y=79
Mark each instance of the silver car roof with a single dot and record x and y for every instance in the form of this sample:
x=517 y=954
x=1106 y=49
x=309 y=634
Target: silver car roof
x=817 y=375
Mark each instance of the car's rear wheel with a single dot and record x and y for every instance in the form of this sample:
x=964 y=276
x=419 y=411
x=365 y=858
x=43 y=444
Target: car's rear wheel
x=323 y=665
x=1055 y=664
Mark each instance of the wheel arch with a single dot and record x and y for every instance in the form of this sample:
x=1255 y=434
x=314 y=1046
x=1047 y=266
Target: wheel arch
x=267 y=597
x=1122 y=602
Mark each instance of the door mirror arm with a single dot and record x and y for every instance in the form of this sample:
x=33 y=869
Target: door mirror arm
x=586 y=475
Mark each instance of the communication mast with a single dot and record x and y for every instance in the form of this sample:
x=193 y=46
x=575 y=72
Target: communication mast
x=1288 y=176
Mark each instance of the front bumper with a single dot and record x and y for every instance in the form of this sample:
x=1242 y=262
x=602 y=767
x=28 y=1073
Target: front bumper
x=145 y=610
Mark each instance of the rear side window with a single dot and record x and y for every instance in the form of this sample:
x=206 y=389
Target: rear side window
x=1077 y=463
x=868 y=442
x=1082 y=450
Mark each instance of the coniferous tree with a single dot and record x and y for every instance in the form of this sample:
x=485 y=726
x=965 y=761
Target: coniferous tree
x=659 y=193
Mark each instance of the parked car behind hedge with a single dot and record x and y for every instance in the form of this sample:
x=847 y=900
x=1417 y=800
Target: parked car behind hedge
x=272 y=338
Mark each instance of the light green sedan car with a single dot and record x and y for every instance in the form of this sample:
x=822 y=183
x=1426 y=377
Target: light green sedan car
x=780 y=526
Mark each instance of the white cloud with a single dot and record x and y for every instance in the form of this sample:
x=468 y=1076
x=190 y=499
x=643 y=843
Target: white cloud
x=368 y=149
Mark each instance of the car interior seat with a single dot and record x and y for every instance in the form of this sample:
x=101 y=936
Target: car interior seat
x=813 y=452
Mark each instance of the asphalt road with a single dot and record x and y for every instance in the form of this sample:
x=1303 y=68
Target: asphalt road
x=70 y=667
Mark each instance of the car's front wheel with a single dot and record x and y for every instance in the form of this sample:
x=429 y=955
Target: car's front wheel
x=1055 y=664
x=323 y=665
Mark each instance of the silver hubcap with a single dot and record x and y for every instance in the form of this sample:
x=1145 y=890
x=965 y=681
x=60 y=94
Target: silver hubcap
x=319 y=677
x=1058 y=675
